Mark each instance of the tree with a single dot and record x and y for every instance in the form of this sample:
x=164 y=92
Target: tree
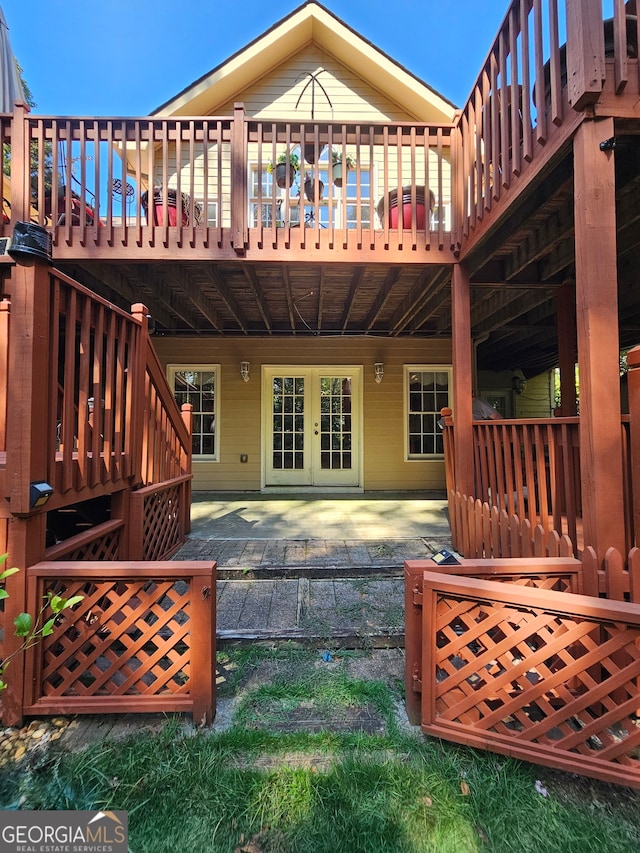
x=28 y=96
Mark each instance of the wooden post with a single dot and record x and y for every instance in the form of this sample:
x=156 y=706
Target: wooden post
x=598 y=344
x=633 y=378
x=25 y=547
x=5 y=308
x=20 y=172
x=203 y=649
x=585 y=52
x=567 y=349
x=27 y=445
x=139 y=413
x=28 y=391
x=239 y=234
x=186 y=468
x=413 y=572
x=462 y=373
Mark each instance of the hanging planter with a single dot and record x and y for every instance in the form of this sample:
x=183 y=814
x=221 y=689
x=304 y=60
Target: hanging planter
x=310 y=187
x=309 y=150
x=341 y=166
x=285 y=170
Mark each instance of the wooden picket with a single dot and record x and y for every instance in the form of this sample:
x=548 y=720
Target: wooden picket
x=481 y=530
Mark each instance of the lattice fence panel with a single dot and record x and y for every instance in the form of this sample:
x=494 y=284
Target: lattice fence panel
x=128 y=637
x=106 y=547
x=549 y=677
x=162 y=532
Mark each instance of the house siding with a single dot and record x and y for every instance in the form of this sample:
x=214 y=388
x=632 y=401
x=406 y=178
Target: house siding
x=276 y=97
x=352 y=99
x=385 y=466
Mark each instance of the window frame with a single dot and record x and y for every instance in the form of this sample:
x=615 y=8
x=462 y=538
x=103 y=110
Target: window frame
x=171 y=371
x=422 y=368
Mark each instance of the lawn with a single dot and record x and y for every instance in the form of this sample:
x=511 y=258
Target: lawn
x=314 y=757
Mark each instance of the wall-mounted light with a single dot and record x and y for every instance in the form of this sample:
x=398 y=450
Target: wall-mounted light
x=244 y=370
x=518 y=382
x=379 y=371
x=31 y=243
x=39 y=494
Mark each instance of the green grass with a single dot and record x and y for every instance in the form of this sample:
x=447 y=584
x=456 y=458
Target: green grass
x=248 y=788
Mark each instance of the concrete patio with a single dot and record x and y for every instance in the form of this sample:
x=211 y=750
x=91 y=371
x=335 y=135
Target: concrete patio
x=316 y=569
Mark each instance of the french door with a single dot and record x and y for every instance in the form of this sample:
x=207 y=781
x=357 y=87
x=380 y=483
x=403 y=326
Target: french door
x=312 y=426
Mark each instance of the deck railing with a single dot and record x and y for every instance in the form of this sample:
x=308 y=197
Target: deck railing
x=530 y=469
x=213 y=182
x=539 y=75
x=205 y=182
x=104 y=419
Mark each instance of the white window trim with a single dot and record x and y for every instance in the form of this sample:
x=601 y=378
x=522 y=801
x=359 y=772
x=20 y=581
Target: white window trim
x=414 y=368
x=172 y=369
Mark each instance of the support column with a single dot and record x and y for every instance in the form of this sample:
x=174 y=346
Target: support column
x=29 y=447
x=598 y=342
x=462 y=378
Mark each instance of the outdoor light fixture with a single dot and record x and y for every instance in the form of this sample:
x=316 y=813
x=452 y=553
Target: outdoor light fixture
x=39 y=494
x=379 y=371
x=445 y=558
x=31 y=243
x=518 y=382
x=244 y=370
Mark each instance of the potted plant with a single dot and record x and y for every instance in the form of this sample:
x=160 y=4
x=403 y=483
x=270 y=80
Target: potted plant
x=339 y=165
x=285 y=171
x=310 y=187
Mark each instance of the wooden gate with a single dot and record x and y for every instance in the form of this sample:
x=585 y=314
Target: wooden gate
x=525 y=668
x=141 y=640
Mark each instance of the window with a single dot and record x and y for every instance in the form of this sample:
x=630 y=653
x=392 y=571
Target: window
x=292 y=204
x=209 y=213
x=427 y=392
x=198 y=384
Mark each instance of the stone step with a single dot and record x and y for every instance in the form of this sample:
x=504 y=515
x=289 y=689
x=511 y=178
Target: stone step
x=355 y=611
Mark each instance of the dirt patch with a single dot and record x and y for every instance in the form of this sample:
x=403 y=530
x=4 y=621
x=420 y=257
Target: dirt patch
x=312 y=717
x=386 y=665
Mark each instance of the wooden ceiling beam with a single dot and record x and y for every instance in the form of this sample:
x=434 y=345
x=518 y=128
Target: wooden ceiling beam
x=550 y=232
x=382 y=297
x=321 y=297
x=154 y=280
x=254 y=283
x=437 y=295
x=356 y=280
x=228 y=298
x=202 y=302
x=416 y=296
x=290 y=306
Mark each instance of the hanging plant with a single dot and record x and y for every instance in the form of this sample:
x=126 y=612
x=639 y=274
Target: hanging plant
x=285 y=169
x=340 y=165
x=310 y=187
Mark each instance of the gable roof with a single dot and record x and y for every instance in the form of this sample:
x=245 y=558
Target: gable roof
x=309 y=23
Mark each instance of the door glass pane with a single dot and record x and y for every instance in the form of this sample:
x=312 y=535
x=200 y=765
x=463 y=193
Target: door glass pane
x=335 y=422
x=288 y=429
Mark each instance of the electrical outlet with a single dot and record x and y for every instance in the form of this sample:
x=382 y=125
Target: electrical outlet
x=244 y=457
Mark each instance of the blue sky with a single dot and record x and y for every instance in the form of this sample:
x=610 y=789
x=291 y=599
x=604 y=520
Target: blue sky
x=126 y=57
